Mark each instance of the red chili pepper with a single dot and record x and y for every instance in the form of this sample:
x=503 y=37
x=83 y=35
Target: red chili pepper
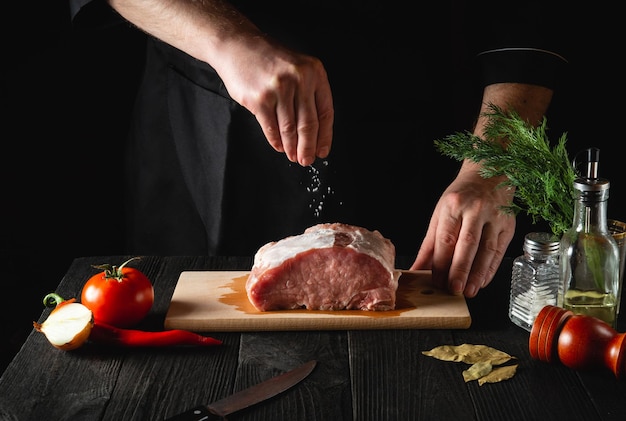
x=111 y=335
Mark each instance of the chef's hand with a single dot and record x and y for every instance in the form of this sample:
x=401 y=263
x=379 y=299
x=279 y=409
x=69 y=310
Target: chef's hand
x=288 y=93
x=468 y=233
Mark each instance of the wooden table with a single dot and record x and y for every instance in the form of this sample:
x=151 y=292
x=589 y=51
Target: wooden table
x=360 y=375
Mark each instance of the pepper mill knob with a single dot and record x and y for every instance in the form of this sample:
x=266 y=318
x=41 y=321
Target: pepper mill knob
x=577 y=341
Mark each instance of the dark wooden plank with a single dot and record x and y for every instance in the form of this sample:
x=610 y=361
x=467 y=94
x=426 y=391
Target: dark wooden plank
x=364 y=375
x=43 y=382
x=537 y=391
x=389 y=366
x=174 y=379
x=324 y=395
x=607 y=394
x=96 y=382
x=159 y=383
x=541 y=394
x=407 y=384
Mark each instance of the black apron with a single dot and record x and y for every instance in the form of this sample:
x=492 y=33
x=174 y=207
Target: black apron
x=201 y=178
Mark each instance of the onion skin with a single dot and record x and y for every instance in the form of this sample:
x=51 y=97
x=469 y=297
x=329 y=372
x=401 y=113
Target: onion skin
x=78 y=340
x=68 y=326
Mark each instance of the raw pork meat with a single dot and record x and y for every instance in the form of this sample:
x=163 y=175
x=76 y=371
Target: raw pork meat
x=328 y=267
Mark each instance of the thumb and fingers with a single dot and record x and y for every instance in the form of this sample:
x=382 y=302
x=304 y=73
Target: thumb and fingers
x=465 y=243
x=296 y=114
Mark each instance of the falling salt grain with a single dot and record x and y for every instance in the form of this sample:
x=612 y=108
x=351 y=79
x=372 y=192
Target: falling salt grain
x=315 y=187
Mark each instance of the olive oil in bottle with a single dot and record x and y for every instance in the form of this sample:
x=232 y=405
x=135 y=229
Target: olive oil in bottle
x=589 y=257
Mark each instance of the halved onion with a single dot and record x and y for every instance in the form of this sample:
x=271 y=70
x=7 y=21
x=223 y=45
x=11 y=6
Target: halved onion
x=68 y=326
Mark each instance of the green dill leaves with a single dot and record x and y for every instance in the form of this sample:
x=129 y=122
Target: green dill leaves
x=542 y=176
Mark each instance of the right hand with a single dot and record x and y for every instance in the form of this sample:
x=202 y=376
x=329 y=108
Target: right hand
x=288 y=93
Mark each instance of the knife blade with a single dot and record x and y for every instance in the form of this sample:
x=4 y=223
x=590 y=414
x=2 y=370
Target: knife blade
x=247 y=397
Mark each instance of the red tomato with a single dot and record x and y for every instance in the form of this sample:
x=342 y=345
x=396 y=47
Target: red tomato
x=119 y=296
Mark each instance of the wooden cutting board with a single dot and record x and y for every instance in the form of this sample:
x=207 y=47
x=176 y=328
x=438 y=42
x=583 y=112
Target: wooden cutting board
x=210 y=301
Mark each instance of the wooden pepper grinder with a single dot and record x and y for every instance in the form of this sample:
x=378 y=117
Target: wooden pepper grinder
x=577 y=341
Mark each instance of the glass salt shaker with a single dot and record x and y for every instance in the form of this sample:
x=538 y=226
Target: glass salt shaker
x=535 y=278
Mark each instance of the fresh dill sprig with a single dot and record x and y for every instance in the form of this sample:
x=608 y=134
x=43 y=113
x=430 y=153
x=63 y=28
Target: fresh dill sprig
x=542 y=176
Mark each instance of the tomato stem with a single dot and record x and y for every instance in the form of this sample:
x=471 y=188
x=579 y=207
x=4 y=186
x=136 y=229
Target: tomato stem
x=112 y=271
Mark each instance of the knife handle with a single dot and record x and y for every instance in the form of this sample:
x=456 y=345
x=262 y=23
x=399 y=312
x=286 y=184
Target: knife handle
x=199 y=413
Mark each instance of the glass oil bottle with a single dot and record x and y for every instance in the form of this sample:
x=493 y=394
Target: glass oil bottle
x=589 y=257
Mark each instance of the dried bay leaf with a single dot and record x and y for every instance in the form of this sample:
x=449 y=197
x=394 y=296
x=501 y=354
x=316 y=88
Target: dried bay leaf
x=469 y=353
x=445 y=353
x=498 y=374
x=482 y=359
x=477 y=371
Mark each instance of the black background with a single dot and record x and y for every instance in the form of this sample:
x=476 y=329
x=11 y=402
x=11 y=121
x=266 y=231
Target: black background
x=65 y=114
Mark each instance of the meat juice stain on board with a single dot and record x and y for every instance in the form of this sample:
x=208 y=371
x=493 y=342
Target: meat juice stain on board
x=408 y=286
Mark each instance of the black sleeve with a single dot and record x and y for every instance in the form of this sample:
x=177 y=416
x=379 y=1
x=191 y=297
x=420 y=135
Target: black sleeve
x=521 y=65
x=93 y=14
x=524 y=42
x=76 y=6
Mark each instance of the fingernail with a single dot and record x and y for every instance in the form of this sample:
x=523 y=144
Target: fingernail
x=470 y=290
x=306 y=161
x=323 y=152
x=456 y=287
